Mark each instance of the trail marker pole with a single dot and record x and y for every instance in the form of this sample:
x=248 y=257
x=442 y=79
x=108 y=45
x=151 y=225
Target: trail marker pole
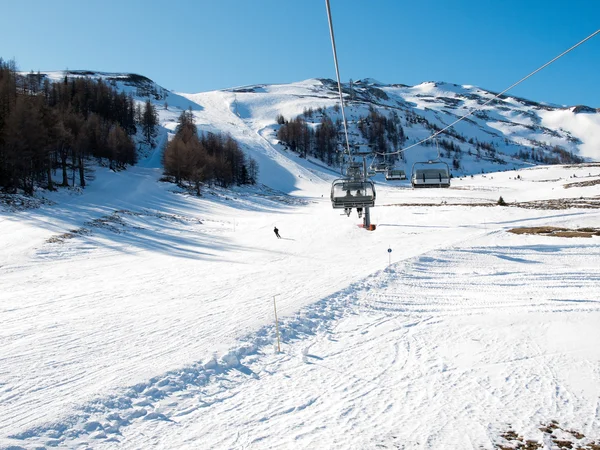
x=276 y=324
x=389 y=256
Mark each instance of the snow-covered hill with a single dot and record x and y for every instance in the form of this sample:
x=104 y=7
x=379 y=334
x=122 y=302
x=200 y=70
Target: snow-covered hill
x=507 y=129
x=134 y=316
x=507 y=133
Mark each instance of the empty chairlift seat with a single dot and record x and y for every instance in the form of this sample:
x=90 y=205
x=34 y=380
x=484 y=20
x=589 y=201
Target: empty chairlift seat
x=395 y=174
x=381 y=167
x=430 y=174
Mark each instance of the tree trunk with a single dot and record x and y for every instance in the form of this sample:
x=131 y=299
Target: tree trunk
x=63 y=160
x=50 y=184
x=81 y=171
x=30 y=188
x=73 y=159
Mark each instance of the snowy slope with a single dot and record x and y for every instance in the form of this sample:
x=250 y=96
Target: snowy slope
x=139 y=86
x=510 y=126
x=136 y=316
x=151 y=323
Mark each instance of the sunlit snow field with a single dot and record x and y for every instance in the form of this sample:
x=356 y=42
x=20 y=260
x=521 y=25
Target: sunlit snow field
x=154 y=327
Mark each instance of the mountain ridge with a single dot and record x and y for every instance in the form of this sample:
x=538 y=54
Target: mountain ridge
x=509 y=132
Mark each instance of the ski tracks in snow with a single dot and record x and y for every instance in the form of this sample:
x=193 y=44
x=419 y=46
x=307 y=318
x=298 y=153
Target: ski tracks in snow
x=438 y=343
x=380 y=352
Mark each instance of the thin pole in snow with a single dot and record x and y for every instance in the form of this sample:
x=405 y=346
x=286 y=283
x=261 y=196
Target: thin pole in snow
x=276 y=324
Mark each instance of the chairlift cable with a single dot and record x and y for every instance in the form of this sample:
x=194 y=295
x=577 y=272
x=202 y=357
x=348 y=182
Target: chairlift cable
x=491 y=99
x=337 y=72
x=342 y=189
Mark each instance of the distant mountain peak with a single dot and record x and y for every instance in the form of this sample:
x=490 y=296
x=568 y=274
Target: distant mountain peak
x=583 y=109
x=370 y=82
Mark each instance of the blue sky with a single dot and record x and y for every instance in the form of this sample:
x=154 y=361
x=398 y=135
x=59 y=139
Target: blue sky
x=201 y=45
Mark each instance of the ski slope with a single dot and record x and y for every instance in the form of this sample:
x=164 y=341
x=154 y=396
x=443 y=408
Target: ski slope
x=154 y=327
x=137 y=316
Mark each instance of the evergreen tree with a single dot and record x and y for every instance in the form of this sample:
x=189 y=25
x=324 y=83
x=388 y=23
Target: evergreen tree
x=149 y=123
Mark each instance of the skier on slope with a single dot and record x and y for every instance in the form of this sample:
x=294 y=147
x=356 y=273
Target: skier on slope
x=276 y=230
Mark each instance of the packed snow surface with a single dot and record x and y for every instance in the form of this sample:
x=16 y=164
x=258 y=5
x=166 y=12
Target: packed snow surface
x=135 y=315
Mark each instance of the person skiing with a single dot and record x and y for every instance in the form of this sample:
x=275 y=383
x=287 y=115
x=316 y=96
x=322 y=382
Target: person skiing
x=276 y=230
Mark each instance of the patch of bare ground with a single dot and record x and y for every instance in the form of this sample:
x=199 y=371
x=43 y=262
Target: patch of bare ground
x=561 y=203
x=557 y=231
x=582 y=183
x=579 y=166
x=60 y=238
x=552 y=204
x=513 y=441
x=569 y=439
x=442 y=204
x=19 y=202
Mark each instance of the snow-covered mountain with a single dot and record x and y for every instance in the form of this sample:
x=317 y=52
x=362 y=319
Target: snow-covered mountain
x=501 y=136
x=507 y=133
x=139 y=86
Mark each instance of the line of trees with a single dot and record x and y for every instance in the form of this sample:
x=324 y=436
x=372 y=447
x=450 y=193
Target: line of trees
x=300 y=137
x=558 y=155
x=380 y=130
x=50 y=126
x=322 y=139
x=296 y=134
x=206 y=158
x=314 y=133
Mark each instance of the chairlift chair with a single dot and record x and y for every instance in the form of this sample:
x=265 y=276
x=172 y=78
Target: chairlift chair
x=381 y=167
x=377 y=166
x=354 y=171
x=351 y=193
x=394 y=173
x=371 y=168
x=430 y=174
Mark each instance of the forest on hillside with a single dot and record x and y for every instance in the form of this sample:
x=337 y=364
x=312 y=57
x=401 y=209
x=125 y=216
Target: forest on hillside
x=315 y=134
x=49 y=130
x=211 y=158
x=52 y=131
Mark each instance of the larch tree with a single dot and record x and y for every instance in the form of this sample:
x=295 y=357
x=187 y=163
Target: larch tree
x=149 y=123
